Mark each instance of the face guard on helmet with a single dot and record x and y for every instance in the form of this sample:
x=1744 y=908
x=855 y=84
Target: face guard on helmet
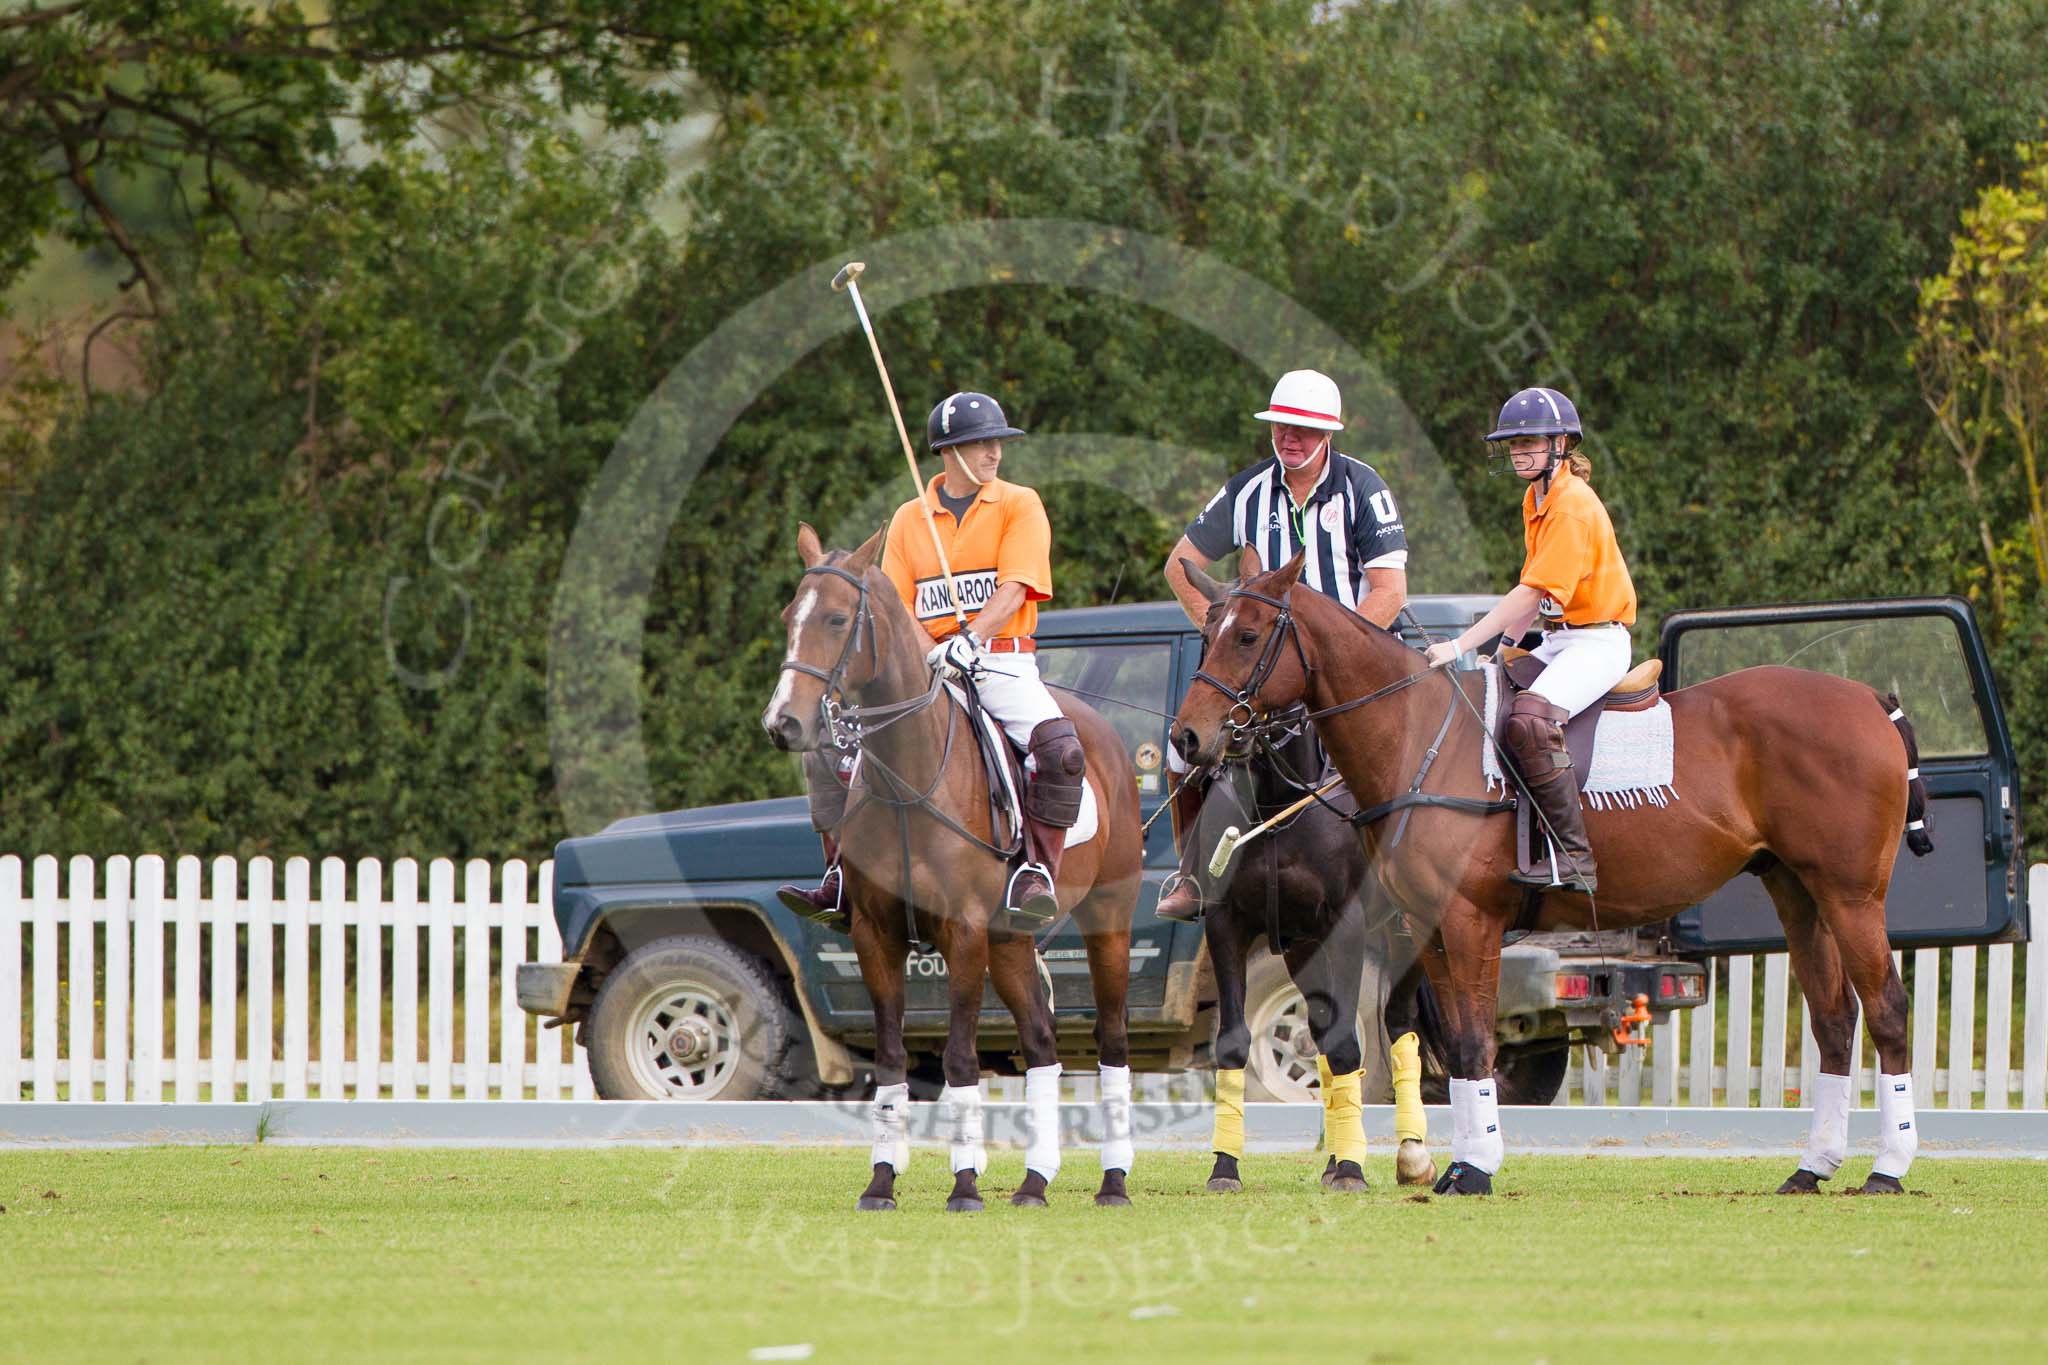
x=1535 y=412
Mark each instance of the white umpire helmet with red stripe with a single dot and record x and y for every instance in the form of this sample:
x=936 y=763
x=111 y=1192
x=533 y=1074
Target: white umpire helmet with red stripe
x=1305 y=398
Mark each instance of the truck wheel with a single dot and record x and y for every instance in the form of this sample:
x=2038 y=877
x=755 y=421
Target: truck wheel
x=690 y=1019
x=1532 y=1074
x=1283 y=1060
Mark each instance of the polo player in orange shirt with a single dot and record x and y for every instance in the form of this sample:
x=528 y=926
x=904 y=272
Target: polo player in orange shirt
x=999 y=543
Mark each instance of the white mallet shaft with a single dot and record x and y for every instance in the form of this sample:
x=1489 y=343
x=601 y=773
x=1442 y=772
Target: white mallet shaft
x=846 y=280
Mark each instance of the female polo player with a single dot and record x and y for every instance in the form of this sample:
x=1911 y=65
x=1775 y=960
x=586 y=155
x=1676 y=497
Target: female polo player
x=1574 y=577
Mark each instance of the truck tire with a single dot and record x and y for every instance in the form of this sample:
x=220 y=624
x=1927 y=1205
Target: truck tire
x=691 y=1019
x=1531 y=1074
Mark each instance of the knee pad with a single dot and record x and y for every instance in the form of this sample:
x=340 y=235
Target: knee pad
x=1057 y=765
x=825 y=783
x=1534 y=734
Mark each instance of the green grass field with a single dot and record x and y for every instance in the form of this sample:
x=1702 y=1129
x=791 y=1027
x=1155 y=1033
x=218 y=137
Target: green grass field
x=276 y=1253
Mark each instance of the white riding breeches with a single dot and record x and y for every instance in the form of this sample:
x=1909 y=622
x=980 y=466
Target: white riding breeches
x=1581 y=665
x=1013 y=693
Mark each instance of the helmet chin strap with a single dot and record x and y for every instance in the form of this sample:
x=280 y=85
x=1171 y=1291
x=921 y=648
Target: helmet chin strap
x=1274 y=439
x=960 y=464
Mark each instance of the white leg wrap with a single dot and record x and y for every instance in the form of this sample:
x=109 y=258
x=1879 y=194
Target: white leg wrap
x=1483 y=1145
x=1461 y=1120
x=1898 y=1137
x=892 y=1126
x=1827 y=1143
x=960 y=1105
x=1042 y=1110
x=1117 y=1151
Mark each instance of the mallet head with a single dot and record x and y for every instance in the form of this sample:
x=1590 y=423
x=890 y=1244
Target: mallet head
x=848 y=273
x=1225 y=846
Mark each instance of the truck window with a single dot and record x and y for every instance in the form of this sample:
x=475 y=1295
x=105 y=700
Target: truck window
x=1920 y=658
x=1136 y=676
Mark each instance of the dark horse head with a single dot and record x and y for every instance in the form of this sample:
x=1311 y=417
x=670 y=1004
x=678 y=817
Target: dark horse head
x=835 y=646
x=1254 y=662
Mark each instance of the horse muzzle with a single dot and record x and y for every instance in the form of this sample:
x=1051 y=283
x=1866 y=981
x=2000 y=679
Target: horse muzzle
x=786 y=732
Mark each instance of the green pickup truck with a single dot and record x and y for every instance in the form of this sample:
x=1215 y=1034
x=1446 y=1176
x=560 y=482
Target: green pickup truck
x=685 y=977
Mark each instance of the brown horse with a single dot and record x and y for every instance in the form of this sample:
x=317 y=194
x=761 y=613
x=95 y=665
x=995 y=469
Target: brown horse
x=1802 y=778
x=922 y=861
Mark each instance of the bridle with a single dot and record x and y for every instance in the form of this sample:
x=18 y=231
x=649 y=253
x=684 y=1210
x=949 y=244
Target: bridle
x=1241 y=698
x=844 y=725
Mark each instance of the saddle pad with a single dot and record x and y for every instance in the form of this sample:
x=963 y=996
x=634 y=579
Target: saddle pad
x=1632 y=755
x=1013 y=800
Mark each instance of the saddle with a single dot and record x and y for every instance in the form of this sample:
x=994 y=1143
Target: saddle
x=1003 y=758
x=1637 y=691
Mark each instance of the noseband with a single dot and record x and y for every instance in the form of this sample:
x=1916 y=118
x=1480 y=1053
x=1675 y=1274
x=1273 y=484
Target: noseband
x=1284 y=631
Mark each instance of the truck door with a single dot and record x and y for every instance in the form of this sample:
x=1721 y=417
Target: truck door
x=1927 y=650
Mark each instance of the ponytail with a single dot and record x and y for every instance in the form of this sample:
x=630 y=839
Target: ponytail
x=1582 y=464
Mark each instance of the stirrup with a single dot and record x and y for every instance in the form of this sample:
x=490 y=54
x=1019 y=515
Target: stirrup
x=1172 y=884
x=804 y=903
x=1043 y=907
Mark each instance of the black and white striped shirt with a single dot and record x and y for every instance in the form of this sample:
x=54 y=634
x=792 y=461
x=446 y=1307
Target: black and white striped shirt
x=1350 y=523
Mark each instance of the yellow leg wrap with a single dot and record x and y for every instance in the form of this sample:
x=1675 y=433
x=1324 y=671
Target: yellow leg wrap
x=1323 y=1071
x=1343 y=1116
x=1229 y=1138
x=1409 y=1119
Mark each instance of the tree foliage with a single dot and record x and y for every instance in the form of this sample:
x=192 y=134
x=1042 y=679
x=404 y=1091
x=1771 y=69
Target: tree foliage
x=1710 y=226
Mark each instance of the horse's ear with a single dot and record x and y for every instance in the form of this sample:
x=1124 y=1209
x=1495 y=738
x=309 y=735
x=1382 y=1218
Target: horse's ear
x=864 y=558
x=1288 y=574
x=1211 y=590
x=807 y=547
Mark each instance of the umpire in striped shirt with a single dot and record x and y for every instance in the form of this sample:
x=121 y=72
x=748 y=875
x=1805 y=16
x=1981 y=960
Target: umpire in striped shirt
x=1310 y=497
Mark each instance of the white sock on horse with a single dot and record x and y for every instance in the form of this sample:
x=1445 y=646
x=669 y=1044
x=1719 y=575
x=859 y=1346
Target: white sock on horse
x=961 y=1107
x=1827 y=1142
x=892 y=1126
x=1042 y=1109
x=1117 y=1150
x=1898 y=1137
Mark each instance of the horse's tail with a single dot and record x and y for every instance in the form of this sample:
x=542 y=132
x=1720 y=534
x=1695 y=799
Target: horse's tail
x=1917 y=837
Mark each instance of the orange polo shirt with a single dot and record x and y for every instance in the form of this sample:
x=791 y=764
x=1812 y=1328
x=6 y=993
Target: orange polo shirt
x=1004 y=538
x=1573 y=558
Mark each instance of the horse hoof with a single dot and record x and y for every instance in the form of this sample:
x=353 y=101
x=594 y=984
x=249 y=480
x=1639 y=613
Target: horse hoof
x=1223 y=1184
x=967 y=1205
x=1110 y=1200
x=1413 y=1165
x=870 y=1203
x=1882 y=1184
x=1345 y=1178
x=1801 y=1181
x=1463 y=1179
x=1021 y=1200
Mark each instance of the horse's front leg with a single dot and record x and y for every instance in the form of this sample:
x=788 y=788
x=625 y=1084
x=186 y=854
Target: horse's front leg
x=882 y=953
x=1328 y=973
x=1226 y=934
x=1471 y=946
x=1014 y=970
x=1413 y=1164
x=966 y=948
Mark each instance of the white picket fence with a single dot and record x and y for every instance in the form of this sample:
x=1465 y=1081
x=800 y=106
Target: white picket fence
x=96 y=953
x=98 y=1025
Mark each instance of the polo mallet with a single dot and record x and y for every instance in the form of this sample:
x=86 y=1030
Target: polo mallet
x=1232 y=841
x=846 y=281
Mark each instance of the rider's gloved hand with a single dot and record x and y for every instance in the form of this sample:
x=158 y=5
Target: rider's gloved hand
x=959 y=654
x=1441 y=653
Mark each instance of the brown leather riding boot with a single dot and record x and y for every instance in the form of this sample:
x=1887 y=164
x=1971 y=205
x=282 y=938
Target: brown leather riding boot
x=1032 y=892
x=1181 y=899
x=826 y=904
x=1535 y=736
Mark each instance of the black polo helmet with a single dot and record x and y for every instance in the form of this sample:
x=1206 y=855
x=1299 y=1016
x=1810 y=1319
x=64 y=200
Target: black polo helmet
x=1538 y=412
x=967 y=417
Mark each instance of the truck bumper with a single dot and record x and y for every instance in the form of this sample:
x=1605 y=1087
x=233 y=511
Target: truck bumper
x=544 y=987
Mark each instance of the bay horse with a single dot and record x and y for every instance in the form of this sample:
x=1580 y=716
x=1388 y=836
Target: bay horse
x=920 y=862
x=1803 y=778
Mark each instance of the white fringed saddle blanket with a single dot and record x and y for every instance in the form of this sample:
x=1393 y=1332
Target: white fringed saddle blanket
x=1632 y=755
